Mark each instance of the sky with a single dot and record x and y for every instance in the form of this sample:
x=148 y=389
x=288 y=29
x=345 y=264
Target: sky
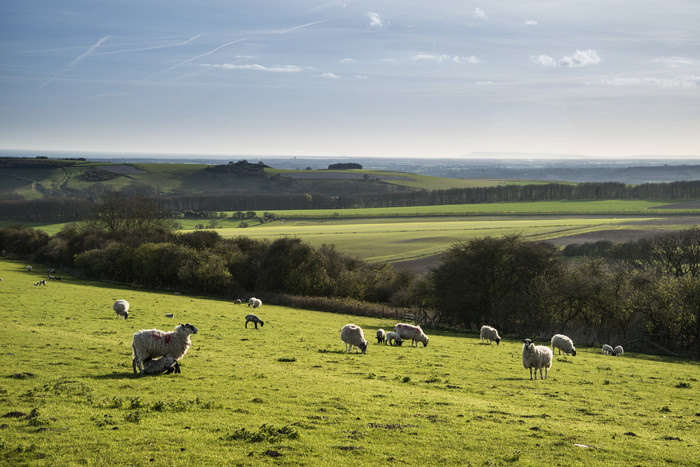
x=382 y=78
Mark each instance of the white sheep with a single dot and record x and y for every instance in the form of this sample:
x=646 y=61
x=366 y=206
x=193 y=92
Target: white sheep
x=537 y=357
x=563 y=343
x=381 y=336
x=253 y=319
x=618 y=351
x=490 y=334
x=251 y=300
x=152 y=343
x=393 y=338
x=257 y=303
x=156 y=366
x=607 y=350
x=237 y=301
x=353 y=336
x=121 y=307
x=409 y=331
x=29 y=269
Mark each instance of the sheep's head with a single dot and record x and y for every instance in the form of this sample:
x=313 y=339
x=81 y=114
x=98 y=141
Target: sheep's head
x=425 y=341
x=187 y=328
x=527 y=343
x=573 y=352
x=262 y=324
x=498 y=341
x=363 y=347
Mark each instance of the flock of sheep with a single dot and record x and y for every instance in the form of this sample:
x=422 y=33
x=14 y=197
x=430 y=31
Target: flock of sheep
x=353 y=336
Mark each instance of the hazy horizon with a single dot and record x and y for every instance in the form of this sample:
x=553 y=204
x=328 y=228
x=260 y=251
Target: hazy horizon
x=351 y=79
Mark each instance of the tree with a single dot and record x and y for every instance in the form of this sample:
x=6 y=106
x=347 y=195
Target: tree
x=117 y=212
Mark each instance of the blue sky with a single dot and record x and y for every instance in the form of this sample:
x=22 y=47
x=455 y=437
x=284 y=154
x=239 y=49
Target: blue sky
x=350 y=78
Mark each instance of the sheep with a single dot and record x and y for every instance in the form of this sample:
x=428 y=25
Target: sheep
x=381 y=336
x=618 y=351
x=353 y=336
x=254 y=319
x=41 y=282
x=393 y=338
x=29 y=269
x=151 y=343
x=156 y=366
x=237 y=301
x=562 y=342
x=251 y=300
x=607 y=350
x=257 y=303
x=490 y=334
x=537 y=357
x=409 y=331
x=121 y=307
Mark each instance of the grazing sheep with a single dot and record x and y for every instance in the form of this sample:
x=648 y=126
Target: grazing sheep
x=251 y=300
x=563 y=343
x=237 y=301
x=490 y=334
x=409 y=331
x=353 y=336
x=254 y=319
x=29 y=269
x=156 y=366
x=257 y=303
x=381 y=336
x=393 y=338
x=618 y=351
x=41 y=282
x=151 y=343
x=607 y=350
x=537 y=357
x=121 y=307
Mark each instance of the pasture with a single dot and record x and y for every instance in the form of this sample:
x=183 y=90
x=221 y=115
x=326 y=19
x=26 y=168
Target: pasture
x=288 y=393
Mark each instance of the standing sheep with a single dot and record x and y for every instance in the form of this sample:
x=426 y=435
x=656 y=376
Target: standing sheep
x=29 y=269
x=618 y=351
x=381 y=336
x=607 y=350
x=353 y=336
x=253 y=319
x=393 y=338
x=409 y=331
x=121 y=307
x=257 y=303
x=152 y=343
x=563 y=343
x=156 y=366
x=490 y=334
x=251 y=300
x=537 y=357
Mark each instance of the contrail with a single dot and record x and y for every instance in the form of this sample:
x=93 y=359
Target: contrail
x=142 y=49
x=75 y=62
x=302 y=26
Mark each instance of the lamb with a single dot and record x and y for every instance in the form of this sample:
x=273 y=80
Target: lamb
x=409 y=331
x=151 y=343
x=563 y=343
x=607 y=350
x=353 y=336
x=393 y=338
x=618 y=351
x=166 y=364
x=121 y=307
x=537 y=357
x=490 y=334
x=254 y=319
x=381 y=336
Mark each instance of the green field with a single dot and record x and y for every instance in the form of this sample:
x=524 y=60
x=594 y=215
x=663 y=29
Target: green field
x=288 y=393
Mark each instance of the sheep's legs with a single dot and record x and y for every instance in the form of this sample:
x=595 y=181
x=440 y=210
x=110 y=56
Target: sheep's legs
x=531 y=374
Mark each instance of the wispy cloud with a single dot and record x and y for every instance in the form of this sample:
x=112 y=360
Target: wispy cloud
x=376 y=21
x=479 y=13
x=578 y=59
x=674 y=62
x=257 y=67
x=153 y=47
x=86 y=54
x=347 y=61
x=530 y=22
x=295 y=28
x=330 y=76
x=681 y=81
x=446 y=58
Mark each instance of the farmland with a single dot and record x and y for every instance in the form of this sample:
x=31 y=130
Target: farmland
x=289 y=393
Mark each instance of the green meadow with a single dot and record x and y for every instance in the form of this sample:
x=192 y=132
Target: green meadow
x=288 y=393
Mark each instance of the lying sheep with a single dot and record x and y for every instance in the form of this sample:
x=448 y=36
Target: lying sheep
x=393 y=338
x=381 y=336
x=563 y=344
x=618 y=351
x=537 y=357
x=152 y=343
x=253 y=319
x=409 y=331
x=490 y=334
x=607 y=350
x=121 y=307
x=353 y=336
x=157 y=366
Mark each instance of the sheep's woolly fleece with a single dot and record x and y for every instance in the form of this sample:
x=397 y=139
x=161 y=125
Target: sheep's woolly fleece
x=152 y=343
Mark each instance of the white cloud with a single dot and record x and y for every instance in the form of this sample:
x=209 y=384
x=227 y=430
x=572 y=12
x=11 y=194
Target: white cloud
x=484 y=83
x=674 y=62
x=347 y=61
x=530 y=22
x=681 y=81
x=479 y=13
x=361 y=76
x=446 y=58
x=578 y=59
x=330 y=76
x=376 y=21
x=256 y=67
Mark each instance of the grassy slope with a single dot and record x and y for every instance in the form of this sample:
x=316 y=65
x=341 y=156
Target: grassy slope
x=456 y=401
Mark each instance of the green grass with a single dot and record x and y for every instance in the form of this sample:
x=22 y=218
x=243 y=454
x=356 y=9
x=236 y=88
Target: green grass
x=288 y=393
